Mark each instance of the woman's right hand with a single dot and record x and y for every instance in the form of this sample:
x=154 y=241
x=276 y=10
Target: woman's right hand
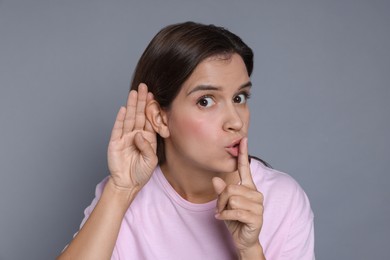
x=132 y=148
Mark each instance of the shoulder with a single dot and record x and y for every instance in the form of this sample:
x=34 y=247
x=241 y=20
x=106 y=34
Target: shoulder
x=266 y=178
x=280 y=190
x=288 y=227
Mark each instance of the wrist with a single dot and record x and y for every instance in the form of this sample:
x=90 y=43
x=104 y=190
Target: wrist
x=120 y=195
x=254 y=252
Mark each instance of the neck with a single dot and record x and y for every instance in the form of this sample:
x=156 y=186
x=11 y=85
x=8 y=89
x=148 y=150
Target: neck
x=194 y=185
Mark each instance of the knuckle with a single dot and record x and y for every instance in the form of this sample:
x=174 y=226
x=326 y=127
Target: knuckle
x=260 y=209
x=260 y=197
x=231 y=189
x=234 y=201
x=237 y=214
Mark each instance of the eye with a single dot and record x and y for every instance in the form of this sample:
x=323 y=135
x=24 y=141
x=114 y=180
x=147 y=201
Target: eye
x=241 y=98
x=205 y=101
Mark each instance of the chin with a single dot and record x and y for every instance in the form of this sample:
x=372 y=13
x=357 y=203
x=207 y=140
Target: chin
x=227 y=167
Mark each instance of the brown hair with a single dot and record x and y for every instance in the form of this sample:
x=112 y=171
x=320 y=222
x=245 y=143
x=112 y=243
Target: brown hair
x=174 y=53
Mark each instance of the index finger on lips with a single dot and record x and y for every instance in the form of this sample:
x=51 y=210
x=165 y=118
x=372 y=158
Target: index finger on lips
x=243 y=164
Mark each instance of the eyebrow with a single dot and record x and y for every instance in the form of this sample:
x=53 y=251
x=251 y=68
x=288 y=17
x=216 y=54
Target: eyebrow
x=216 y=88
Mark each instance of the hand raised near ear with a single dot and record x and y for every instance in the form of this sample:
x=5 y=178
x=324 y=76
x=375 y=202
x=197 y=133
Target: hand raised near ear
x=241 y=205
x=132 y=147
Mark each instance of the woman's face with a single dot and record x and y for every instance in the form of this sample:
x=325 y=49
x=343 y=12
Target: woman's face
x=210 y=116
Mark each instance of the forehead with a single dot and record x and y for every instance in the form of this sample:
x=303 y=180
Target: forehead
x=222 y=71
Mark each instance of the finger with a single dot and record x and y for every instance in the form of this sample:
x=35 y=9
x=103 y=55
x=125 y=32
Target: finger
x=236 y=191
x=141 y=104
x=243 y=164
x=130 y=112
x=146 y=150
x=219 y=186
x=240 y=202
x=117 y=130
x=148 y=125
x=243 y=216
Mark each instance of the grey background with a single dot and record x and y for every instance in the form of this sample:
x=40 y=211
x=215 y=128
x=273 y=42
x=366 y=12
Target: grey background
x=320 y=108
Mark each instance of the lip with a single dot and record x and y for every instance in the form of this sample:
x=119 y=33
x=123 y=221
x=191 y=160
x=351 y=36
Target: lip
x=233 y=148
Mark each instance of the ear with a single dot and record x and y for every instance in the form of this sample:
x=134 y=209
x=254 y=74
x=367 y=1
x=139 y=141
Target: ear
x=157 y=118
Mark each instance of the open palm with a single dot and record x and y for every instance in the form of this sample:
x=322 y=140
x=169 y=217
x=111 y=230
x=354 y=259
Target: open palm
x=132 y=148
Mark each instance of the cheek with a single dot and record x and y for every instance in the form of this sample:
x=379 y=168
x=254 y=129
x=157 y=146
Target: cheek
x=247 y=119
x=195 y=128
x=192 y=127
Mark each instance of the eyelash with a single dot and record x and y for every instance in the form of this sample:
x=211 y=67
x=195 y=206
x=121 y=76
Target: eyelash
x=247 y=95
x=202 y=98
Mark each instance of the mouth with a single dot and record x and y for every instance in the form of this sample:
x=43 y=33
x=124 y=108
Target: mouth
x=234 y=148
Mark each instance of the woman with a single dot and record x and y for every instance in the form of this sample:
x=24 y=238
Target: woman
x=181 y=185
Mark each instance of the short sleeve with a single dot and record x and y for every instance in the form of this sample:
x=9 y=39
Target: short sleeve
x=87 y=212
x=299 y=244
x=98 y=193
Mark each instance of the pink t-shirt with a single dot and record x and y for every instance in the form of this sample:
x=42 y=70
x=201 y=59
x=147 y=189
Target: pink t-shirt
x=160 y=224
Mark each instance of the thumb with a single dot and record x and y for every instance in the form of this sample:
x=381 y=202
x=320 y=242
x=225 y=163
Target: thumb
x=219 y=185
x=145 y=149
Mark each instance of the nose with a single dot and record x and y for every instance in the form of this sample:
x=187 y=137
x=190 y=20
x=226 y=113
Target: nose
x=233 y=120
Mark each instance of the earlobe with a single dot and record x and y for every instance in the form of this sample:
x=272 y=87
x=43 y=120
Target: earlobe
x=157 y=118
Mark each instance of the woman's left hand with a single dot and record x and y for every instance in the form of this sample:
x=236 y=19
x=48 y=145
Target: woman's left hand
x=241 y=207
